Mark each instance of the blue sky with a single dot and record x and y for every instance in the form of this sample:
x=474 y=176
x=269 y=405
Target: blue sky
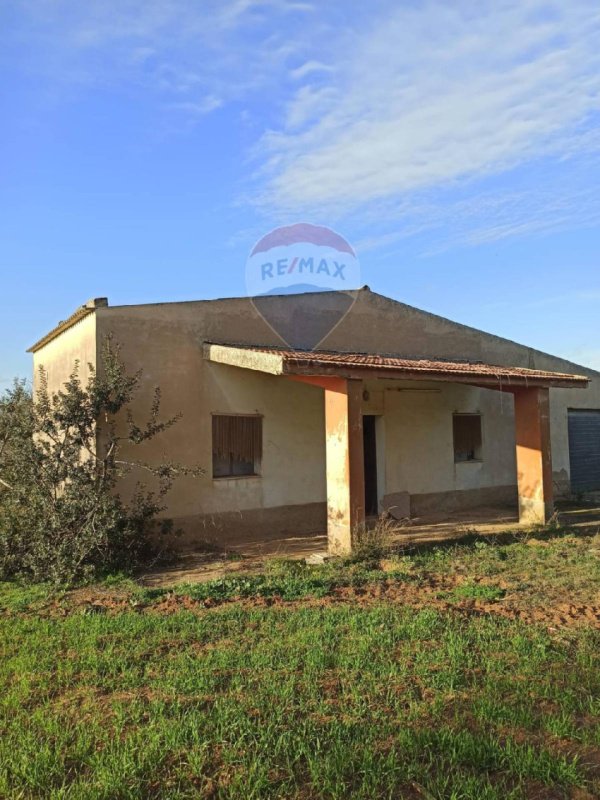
x=147 y=144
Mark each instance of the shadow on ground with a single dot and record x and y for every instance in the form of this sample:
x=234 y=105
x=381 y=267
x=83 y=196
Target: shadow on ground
x=423 y=533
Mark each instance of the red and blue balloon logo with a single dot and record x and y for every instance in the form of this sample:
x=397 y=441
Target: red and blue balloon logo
x=303 y=259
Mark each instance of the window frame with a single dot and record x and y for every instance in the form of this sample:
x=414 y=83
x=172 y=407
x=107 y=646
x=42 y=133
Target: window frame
x=257 y=466
x=480 y=416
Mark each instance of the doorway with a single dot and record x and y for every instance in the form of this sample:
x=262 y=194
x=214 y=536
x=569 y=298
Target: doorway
x=370 y=462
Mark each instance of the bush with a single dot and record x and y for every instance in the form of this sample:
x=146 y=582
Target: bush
x=61 y=459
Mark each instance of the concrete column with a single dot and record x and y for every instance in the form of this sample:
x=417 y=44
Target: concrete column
x=534 y=457
x=344 y=460
x=345 y=469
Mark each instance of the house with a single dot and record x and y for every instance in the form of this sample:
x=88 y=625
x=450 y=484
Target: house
x=312 y=411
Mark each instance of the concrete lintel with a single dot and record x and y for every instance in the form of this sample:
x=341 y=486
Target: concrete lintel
x=510 y=383
x=331 y=383
x=261 y=361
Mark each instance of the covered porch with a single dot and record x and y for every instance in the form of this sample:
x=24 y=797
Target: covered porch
x=435 y=530
x=342 y=377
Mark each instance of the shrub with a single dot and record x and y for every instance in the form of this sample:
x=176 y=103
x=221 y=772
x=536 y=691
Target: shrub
x=61 y=460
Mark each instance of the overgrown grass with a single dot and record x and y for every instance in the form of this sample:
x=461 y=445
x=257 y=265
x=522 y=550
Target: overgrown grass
x=534 y=568
x=284 y=579
x=307 y=700
x=544 y=567
x=333 y=702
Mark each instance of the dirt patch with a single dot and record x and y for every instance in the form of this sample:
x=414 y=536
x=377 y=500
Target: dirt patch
x=428 y=595
x=433 y=591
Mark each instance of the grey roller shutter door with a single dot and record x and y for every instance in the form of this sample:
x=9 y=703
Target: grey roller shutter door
x=584 y=450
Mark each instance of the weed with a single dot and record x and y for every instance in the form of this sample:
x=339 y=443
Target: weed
x=475 y=591
x=373 y=541
x=15 y=597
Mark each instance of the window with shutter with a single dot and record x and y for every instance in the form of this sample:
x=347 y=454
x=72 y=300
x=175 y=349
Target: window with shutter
x=236 y=445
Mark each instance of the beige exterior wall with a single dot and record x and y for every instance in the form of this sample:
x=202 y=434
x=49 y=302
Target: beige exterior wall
x=58 y=357
x=293 y=465
x=415 y=433
x=384 y=325
x=418 y=434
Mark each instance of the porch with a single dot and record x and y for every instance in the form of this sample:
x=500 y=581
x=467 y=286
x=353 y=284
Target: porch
x=342 y=378
x=432 y=530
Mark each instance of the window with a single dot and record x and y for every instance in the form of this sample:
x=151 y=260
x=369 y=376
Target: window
x=467 y=437
x=236 y=445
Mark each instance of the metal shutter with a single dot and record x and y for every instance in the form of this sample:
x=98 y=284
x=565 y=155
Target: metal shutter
x=584 y=450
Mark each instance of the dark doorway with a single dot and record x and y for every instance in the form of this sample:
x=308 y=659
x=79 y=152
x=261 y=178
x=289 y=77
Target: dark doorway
x=370 y=451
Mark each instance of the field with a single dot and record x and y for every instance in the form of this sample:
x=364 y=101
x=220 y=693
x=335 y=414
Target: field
x=464 y=672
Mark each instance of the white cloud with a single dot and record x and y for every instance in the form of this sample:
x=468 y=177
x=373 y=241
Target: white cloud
x=212 y=48
x=437 y=93
x=388 y=115
x=550 y=205
x=309 y=68
x=309 y=102
x=551 y=199
x=203 y=106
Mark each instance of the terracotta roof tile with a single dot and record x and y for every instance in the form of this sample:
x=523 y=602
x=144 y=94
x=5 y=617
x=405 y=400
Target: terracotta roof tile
x=327 y=362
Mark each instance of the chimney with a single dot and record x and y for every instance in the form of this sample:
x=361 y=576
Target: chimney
x=96 y=302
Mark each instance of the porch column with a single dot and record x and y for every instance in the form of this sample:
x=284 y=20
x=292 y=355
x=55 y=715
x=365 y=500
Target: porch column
x=534 y=458
x=344 y=458
x=344 y=462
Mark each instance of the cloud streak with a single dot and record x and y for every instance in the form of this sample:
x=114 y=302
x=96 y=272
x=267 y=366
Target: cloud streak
x=390 y=119
x=441 y=93
x=205 y=53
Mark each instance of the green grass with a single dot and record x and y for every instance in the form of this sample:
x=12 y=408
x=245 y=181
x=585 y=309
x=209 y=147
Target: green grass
x=15 y=597
x=329 y=702
x=475 y=591
x=308 y=698
x=545 y=567
x=284 y=579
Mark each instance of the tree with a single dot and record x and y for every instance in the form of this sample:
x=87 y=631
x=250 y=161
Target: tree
x=62 y=457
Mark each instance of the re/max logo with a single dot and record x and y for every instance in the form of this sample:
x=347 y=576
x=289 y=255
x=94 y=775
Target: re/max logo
x=285 y=266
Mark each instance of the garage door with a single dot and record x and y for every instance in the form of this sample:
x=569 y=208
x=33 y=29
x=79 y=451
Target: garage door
x=584 y=450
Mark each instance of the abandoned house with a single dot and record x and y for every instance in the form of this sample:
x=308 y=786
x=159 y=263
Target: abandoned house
x=312 y=412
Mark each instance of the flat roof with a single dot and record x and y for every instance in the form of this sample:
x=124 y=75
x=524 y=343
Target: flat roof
x=282 y=361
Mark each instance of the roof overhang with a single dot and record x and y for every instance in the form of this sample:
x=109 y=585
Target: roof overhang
x=83 y=311
x=280 y=361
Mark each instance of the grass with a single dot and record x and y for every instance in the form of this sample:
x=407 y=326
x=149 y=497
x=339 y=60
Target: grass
x=309 y=682
x=476 y=591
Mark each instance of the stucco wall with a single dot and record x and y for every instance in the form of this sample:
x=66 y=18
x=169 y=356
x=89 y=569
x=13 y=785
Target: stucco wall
x=560 y=403
x=378 y=324
x=293 y=463
x=58 y=357
x=417 y=426
x=419 y=447
x=166 y=341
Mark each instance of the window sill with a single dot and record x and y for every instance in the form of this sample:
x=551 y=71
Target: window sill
x=471 y=461
x=222 y=478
